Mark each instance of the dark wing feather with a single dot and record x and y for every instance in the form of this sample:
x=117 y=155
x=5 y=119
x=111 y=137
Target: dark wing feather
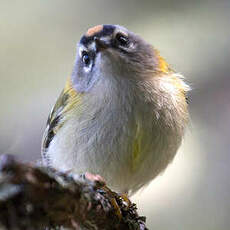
x=54 y=122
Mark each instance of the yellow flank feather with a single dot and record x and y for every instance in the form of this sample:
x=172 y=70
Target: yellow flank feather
x=69 y=88
x=136 y=154
x=163 y=69
x=74 y=98
x=163 y=66
x=136 y=157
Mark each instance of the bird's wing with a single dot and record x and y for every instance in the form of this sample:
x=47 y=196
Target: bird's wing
x=59 y=114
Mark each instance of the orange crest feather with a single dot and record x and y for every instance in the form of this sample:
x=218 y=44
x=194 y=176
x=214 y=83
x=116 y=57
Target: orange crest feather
x=93 y=30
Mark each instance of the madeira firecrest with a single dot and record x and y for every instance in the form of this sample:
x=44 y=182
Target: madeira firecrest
x=122 y=113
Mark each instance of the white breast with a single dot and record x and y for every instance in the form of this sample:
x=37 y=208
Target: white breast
x=102 y=138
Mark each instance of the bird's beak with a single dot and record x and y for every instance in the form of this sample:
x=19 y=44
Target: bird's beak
x=101 y=44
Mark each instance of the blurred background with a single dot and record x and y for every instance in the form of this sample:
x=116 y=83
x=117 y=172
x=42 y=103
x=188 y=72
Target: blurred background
x=37 y=49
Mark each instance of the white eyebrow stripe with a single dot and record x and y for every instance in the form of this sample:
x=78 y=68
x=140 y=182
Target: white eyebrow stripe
x=81 y=49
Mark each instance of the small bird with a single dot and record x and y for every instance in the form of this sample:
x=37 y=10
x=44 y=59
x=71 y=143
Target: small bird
x=122 y=113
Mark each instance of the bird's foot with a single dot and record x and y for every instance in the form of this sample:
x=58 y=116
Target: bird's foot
x=118 y=201
x=125 y=200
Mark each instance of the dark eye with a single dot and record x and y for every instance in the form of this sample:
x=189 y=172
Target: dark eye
x=122 y=39
x=85 y=58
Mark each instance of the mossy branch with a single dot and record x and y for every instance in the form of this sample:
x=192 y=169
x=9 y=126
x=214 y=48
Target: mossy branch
x=33 y=197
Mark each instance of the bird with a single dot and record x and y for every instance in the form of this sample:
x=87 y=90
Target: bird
x=122 y=113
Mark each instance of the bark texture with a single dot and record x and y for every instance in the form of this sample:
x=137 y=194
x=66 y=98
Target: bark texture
x=33 y=197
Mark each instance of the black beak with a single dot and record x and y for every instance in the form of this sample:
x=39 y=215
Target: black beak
x=101 y=44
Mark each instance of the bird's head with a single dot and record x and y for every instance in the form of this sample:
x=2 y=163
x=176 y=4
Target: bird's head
x=113 y=51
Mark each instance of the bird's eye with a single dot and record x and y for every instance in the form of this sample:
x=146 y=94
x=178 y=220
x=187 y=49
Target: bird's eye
x=85 y=58
x=122 y=39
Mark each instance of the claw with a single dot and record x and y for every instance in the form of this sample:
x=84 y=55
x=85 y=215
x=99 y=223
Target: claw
x=126 y=200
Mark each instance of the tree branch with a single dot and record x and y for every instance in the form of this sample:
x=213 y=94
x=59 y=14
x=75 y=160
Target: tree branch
x=33 y=197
